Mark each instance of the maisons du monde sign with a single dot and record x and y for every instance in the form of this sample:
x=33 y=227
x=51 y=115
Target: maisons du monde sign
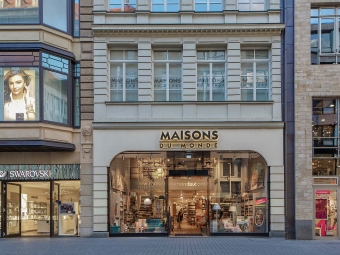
x=188 y=139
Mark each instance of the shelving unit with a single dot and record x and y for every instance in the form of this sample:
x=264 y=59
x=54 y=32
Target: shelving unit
x=13 y=215
x=191 y=218
x=37 y=210
x=247 y=205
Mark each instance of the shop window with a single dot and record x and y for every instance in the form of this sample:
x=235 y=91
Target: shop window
x=255 y=75
x=167 y=75
x=20 y=88
x=211 y=75
x=251 y=5
x=123 y=75
x=325 y=35
x=165 y=5
x=208 y=5
x=122 y=5
x=50 y=7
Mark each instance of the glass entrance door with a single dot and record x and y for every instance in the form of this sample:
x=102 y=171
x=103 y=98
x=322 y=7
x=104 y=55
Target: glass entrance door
x=326 y=213
x=13 y=205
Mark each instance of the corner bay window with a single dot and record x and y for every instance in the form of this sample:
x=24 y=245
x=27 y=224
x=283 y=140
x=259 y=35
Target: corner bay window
x=211 y=75
x=31 y=12
x=167 y=75
x=325 y=42
x=123 y=75
x=255 y=75
x=20 y=88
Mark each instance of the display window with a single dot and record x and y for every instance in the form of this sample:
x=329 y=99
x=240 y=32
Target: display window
x=24 y=94
x=188 y=193
x=325 y=217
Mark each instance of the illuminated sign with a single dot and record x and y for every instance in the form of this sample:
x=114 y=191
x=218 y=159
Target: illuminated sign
x=188 y=139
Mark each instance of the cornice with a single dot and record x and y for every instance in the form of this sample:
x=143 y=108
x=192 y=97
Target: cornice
x=108 y=29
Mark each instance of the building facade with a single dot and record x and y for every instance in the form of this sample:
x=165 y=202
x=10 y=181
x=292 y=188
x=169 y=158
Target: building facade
x=189 y=118
x=41 y=143
x=316 y=119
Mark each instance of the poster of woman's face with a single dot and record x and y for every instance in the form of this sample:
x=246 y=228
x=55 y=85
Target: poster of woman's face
x=20 y=94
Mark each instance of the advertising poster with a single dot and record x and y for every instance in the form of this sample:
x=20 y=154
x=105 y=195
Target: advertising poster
x=19 y=88
x=260 y=216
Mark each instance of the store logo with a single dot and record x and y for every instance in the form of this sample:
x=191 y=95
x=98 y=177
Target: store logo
x=3 y=174
x=189 y=139
x=29 y=174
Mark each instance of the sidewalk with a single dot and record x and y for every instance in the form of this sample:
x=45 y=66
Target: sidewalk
x=166 y=246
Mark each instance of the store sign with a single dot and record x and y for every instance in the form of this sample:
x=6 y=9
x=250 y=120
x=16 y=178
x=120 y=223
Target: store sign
x=174 y=184
x=39 y=172
x=261 y=201
x=188 y=139
x=325 y=180
x=323 y=192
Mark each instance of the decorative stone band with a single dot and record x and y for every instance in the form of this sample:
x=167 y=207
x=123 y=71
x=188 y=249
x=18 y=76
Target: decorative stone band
x=39 y=172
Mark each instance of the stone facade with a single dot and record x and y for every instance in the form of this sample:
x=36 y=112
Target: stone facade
x=310 y=81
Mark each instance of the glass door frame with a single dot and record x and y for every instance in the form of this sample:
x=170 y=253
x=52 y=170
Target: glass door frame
x=52 y=204
x=5 y=209
x=326 y=187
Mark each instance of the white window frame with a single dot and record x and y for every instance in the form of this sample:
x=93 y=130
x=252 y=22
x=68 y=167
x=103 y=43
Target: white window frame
x=165 y=4
x=124 y=62
x=122 y=3
x=210 y=61
x=167 y=62
x=255 y=61
x=208 y=2
x=251 y=3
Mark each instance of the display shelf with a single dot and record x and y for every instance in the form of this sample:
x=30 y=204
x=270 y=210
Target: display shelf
x=247 y=205
x=191 y=217
x=37 y=210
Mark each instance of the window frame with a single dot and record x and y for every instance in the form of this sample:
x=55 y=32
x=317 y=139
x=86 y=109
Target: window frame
x=165 y=5
x=251 y=2
x=123 y=62
x=255 y=61
x=225 y=61
x=336 y=34
x=208 y=3
x=122 y=9
x=167 y=66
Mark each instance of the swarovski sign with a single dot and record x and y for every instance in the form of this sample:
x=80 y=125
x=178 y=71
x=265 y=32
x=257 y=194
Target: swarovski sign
x=25 y=174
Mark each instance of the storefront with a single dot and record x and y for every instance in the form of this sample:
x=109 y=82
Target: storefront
x=190 y=181
x=40 y=200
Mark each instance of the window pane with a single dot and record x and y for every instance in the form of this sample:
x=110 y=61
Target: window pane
x=157 y=8
x=55 y=63
x=19 y=12
x=327 y=11
x=218 y=77
x=131 y=76
x=50 y=8
x=327 y=30
x=218 y=95
x=175 y=55
x=76 y=24
x=247 y=54
x=55 y=97
x=20 y=95
x=324 y=166
x=76 y=95
x=116 y=76
x=217 y=55
x=117 y=55
x=200 y=7
x=115 y=5
x=257 y=7
x=261 y=54
x=246 y=94
x=314 y=36
x=247 y=69
x=175 y=95
x=203 y=82
x=262 y=94
x=160 y=95
x=203 y=55
x=132 y=95
x=215 y=7
x=160 y=55
x=172 y=8
x=160 y=76
x=314 y=12
x=131 y=55
x=116 y=95
x=244 y=7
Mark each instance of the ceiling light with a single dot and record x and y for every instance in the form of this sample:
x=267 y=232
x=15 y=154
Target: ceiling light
x=147 y=201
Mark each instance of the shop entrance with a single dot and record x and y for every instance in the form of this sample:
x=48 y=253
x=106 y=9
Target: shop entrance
x=326 y=216
x=39 y=208
x=189 y=206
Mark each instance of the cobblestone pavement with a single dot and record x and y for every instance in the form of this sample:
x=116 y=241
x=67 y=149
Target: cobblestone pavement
x=166 y=246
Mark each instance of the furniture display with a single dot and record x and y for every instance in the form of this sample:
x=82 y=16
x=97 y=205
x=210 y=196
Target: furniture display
x=68 y=218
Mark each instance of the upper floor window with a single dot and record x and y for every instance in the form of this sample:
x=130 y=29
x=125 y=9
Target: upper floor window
x=165 y=5
x=122 y=5
x=255 y=75
x=123 y=75
x=251 y=5
x=208 y=5
x=211 y=75
x=325 y=41
x=167 y=75
x=27 y=12
x=21 y=88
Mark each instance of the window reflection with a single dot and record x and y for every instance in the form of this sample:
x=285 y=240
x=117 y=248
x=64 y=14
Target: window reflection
x=19 y=11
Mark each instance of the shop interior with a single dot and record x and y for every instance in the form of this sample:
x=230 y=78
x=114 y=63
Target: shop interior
x=29 y=208
x=216 y=192
x=326 y=213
